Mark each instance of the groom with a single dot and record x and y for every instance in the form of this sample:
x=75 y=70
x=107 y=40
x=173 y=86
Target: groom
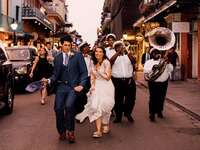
x=69 y=76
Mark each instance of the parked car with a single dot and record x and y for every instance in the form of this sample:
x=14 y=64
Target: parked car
x=6 y=82
x=22 y=59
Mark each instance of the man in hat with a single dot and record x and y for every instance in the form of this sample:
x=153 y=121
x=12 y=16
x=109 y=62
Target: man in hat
x=158 y=85
x=123 y=67
x=69 y=76
x=84 y=49
x=110 y=38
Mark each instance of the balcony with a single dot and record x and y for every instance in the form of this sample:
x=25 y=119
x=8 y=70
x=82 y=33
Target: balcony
x=34 y=13
x=54 y=12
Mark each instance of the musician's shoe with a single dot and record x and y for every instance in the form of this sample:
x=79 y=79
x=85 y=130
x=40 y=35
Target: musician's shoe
x=152 y=117
x=160 y=115
x=130 y=118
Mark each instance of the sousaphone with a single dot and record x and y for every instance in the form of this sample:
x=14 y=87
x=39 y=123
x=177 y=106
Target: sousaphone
x=161 y=38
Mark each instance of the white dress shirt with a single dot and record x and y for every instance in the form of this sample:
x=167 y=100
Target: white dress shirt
x=108 y=50
x=164 y=76
x=64 y=57
x=122 y=67
x=88 y=62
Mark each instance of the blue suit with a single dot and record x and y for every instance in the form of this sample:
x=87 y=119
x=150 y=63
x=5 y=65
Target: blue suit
x=65 y=78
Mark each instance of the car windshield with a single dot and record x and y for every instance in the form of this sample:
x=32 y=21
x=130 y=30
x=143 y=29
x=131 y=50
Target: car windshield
x=18 y=54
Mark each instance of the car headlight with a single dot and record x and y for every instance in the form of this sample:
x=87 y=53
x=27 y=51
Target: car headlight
x=21 y=70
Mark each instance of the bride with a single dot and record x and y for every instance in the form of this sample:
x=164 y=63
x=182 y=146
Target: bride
x=101 y=94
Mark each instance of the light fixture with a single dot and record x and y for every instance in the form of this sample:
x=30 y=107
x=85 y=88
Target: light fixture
x=125 y=36
x=14 y=26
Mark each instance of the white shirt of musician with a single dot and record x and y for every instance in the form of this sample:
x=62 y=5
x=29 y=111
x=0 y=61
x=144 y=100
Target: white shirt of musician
x=122 y=68
x=108 y=50
x=88 y=62
x=164 y=76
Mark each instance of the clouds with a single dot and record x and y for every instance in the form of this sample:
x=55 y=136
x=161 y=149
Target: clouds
x=85 y=16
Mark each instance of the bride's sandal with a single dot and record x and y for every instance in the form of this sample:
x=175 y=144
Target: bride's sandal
x=42 y=102
x=105 y=129
x=97 y=135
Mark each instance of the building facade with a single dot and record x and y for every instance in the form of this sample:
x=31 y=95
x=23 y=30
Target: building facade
x=182 y=17
x=10 y=11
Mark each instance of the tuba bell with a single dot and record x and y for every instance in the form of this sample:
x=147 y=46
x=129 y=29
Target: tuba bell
x=161 y=38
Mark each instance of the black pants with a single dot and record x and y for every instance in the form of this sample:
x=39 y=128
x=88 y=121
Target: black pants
x=157 y=91
x=125 y=95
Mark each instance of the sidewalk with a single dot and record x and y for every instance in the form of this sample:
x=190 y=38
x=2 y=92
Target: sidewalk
x=183 y=94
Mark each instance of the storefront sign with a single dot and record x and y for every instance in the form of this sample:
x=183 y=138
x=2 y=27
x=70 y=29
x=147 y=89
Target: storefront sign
x=181 y=27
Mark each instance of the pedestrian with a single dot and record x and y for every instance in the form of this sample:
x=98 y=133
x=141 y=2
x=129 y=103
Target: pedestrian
x=158 y=72
x=174 y=60
x=42 y=69
x=101 y=94
x=69 y=76
x=123 y=67
x=145 y=56
x=74 y=46
x=110 y=38
x=52 y=52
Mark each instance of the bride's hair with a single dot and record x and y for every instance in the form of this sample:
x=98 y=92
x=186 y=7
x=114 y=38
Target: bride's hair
x=95 y=61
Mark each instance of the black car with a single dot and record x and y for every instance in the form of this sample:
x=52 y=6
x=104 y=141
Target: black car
x=22 y=59
x=6 y=83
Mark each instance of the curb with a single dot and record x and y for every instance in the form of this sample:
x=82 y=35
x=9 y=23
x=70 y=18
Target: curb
x=171 y=101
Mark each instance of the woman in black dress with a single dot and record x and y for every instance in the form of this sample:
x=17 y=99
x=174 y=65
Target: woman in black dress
x=41 y=69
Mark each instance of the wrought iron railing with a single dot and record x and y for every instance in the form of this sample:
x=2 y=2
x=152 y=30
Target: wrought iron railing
x=28 y=12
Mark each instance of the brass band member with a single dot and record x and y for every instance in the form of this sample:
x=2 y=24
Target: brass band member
x=158 y=71
x=123 y=67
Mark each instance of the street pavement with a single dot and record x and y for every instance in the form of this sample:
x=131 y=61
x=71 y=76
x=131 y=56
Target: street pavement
x=32 y=127
x=183 y=94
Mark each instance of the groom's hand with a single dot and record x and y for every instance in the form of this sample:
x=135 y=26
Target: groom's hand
x=44 y=80
x=78 y=88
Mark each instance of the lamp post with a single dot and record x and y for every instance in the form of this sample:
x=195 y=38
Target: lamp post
x=14 y=26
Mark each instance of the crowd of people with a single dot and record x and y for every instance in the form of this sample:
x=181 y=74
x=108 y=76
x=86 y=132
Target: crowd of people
x=97 y=84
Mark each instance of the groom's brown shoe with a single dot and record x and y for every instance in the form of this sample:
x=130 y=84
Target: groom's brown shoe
x=62 y=136
x=71 y=137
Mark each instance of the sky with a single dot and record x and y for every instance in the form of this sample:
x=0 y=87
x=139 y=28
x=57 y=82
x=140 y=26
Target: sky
x=85 y=15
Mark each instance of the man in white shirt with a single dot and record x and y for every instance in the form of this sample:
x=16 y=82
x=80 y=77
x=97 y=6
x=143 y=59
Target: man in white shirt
x=157 y=86
x=110 y=38
x=82 y=98
x=123 y=67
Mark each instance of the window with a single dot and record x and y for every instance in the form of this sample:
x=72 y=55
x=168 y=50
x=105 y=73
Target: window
x=17 y=13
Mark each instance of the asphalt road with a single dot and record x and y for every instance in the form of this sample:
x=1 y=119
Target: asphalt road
x=32 y=127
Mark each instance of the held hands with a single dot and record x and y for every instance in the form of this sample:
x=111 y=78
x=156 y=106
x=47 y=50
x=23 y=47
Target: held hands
x=44 y=80
x=78 y=88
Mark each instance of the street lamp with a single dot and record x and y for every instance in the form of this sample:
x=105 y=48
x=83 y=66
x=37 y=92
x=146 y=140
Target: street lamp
x=14 y=26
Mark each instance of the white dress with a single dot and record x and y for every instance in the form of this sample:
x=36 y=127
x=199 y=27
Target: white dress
x=101 y=99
